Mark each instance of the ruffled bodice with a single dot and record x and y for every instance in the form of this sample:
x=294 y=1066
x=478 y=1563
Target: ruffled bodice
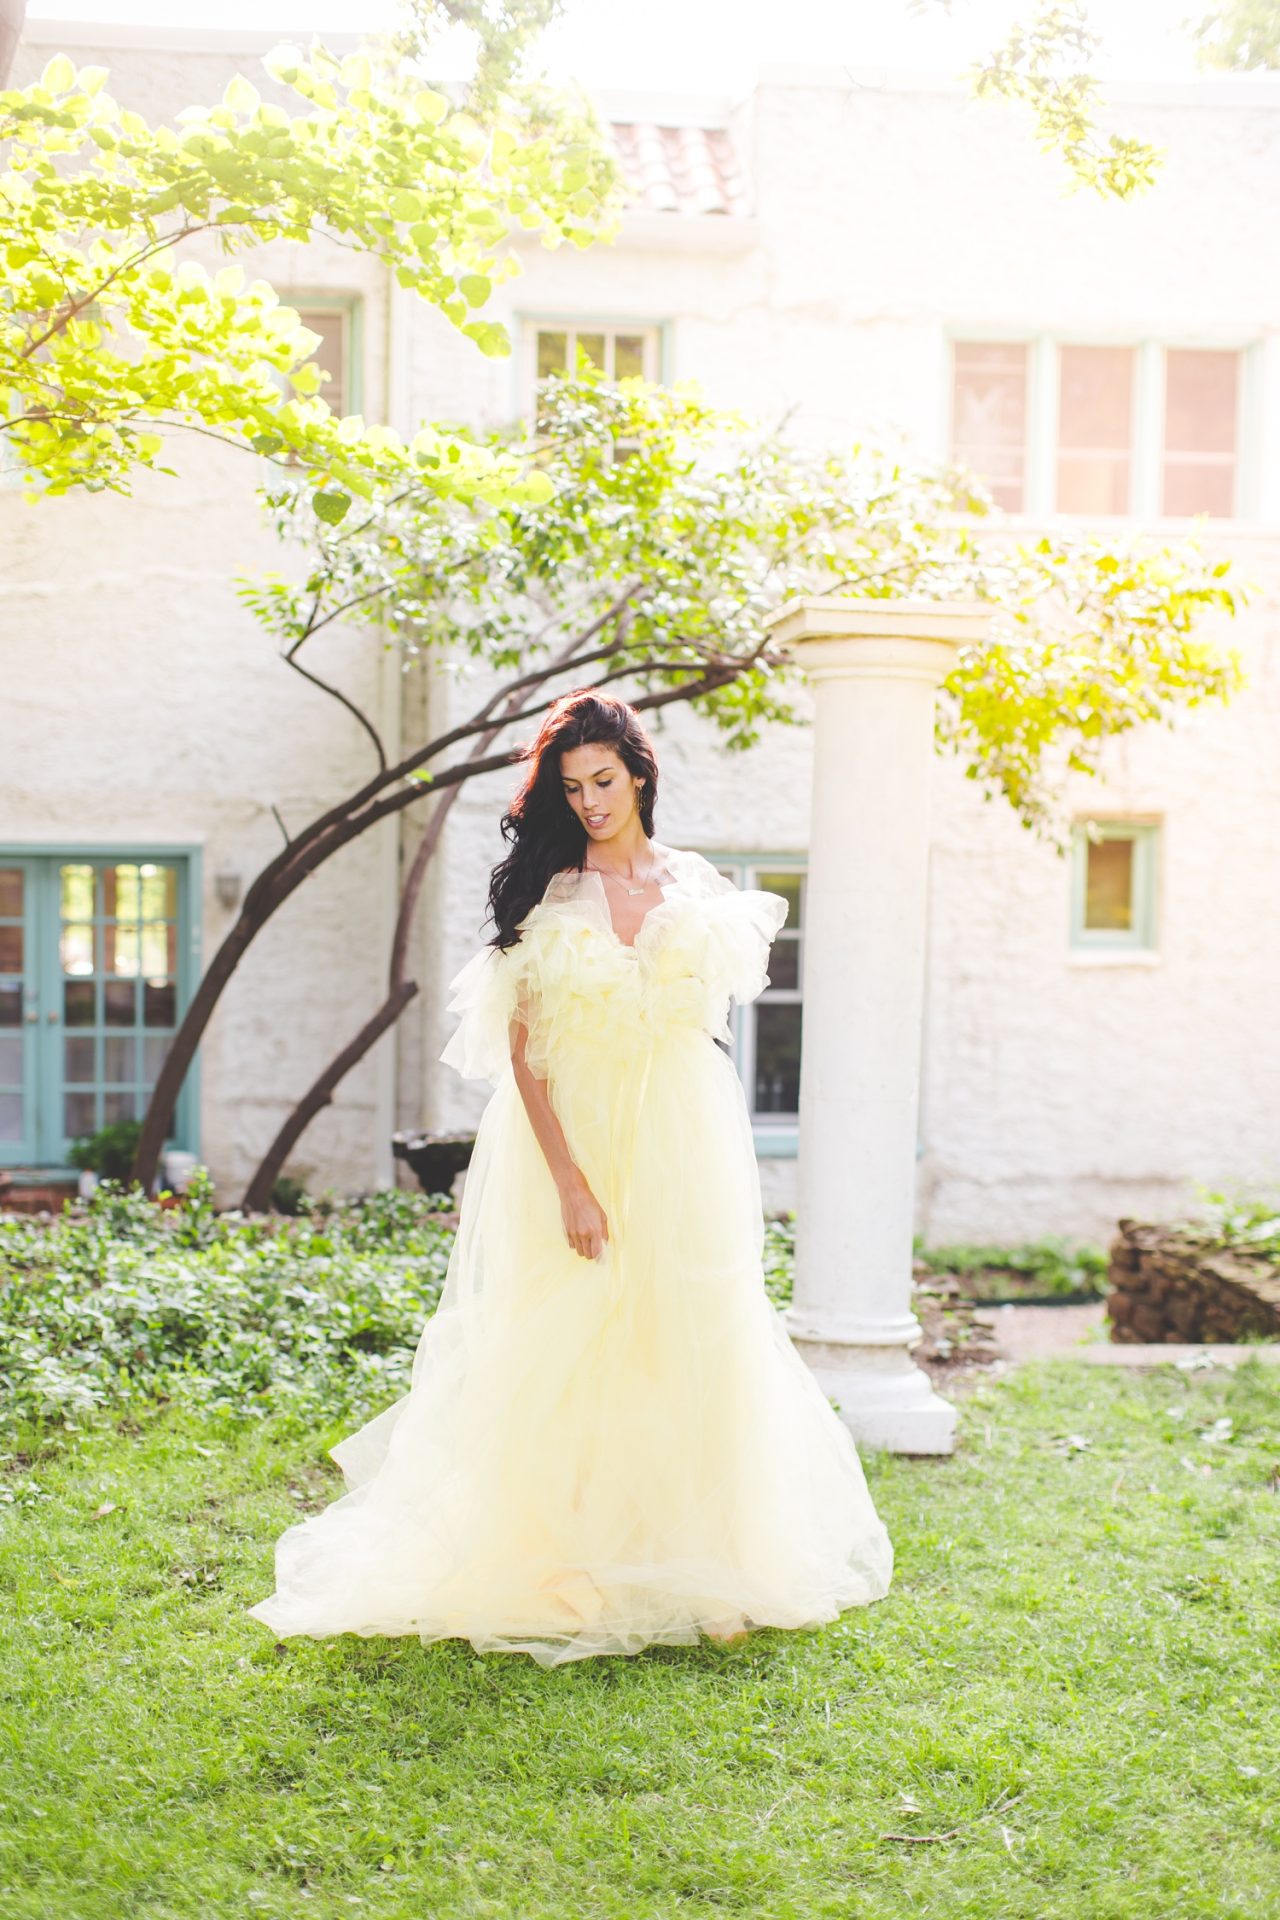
x=576 y=985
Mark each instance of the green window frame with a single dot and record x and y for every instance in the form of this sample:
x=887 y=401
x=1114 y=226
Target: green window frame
x=1114 y=885
x=763 y=1028
x=99 y=956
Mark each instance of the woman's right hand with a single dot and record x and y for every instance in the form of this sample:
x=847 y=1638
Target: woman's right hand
x=584 y=1218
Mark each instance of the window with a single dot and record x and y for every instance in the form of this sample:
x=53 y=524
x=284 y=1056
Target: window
x=989 y=416
x=1069 y=427
x=95 y=969
x=767 y=1032
x=1200 y=411
x=620 y=352
x=1113 y=888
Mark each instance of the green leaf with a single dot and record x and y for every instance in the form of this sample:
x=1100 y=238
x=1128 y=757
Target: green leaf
x=331 y=507
x=475 y=289
x=59 y=75
x=405 y=205
x=241 y=95
x=430 y=106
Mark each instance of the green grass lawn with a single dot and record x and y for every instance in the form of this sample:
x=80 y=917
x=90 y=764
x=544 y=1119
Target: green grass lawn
x=1066 y=1706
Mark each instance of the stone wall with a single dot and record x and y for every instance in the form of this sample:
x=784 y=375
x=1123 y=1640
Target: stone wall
x=1171 y=1284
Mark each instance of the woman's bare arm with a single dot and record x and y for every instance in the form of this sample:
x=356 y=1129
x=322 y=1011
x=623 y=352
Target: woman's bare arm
x=585 y=1224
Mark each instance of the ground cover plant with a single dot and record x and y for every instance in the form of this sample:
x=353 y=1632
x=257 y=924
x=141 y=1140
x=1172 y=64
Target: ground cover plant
x=1066 y=1705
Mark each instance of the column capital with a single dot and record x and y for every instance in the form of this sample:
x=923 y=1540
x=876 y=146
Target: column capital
x=898 y=639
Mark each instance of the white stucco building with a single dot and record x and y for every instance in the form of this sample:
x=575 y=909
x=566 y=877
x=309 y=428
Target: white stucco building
x=873 y=256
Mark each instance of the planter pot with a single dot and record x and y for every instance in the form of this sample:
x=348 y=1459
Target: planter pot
x=87 y=1183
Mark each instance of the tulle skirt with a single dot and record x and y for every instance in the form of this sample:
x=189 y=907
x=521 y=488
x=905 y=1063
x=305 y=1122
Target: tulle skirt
x=598 y=1456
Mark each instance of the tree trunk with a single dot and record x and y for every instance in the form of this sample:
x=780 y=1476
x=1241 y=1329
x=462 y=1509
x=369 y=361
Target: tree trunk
x=13 y=14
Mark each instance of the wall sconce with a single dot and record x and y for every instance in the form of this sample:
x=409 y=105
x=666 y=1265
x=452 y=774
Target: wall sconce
x=227 y=883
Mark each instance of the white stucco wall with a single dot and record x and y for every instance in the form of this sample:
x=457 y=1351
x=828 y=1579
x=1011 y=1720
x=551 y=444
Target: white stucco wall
x=1057 y=1093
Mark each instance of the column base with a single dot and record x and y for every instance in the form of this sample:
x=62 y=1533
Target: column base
x=882 y=1396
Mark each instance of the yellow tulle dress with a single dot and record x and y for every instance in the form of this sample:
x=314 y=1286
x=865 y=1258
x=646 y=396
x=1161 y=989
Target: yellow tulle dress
x=598 y=1455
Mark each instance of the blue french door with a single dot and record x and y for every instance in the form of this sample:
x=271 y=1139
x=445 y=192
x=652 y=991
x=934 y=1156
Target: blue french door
x=96 y=963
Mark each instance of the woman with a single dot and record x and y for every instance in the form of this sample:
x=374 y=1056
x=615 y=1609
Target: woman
x=609 y=1440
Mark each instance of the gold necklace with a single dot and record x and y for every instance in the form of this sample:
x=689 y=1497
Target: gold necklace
x=617 y=879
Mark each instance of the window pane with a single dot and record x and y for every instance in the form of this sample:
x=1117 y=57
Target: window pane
x=10 y=949
x=120 y=948
x=10 y=1003
x=553 y=353
x=78 y=1003
x=154 y=1049
x=777 y=1087
x=628 y=356
x=1201 y=398
x=11 y=1118
x=78 y=1064
x=119 y=1059
x=1108 y=903
x=118 y=1106
x=119 y=1001
x=784 y=962
x=120 y=892
x=10 y=890
x=10 y=1059
x=330 y=356
x=77 y=893
x=1095 y=415
x=78 y=1115
x=159 y=892
x=989 y=412
x=591 y=346
x=159 y=1003
x=77 y=950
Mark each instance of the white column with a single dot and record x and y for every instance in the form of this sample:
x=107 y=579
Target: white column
x=874 y=666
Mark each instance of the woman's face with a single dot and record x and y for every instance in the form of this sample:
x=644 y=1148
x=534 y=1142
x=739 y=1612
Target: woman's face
x=600 y=789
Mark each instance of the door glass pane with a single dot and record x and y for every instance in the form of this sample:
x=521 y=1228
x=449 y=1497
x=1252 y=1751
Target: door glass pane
x=1201 y=401
x=11 y=1128
x=10 y=949
x=10 y=890
x=119 y=1003
x=78 y=1115
x=10 y=1003
x=159 y=1003
x=628 y=356
x=79 y=1059
x=10 y=1059
x=77 y=949
x=777 y=1088
x=119 y=1058
x=159 y=892
x=120 y=892
x=154 y=1049
x=78 y=999
x=989 y=416
x=1095 y=427
x=1108 y=905
x=118 y=1106
x=77 y=893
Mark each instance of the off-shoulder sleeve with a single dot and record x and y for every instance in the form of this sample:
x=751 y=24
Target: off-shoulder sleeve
x=737 y=926
x=487 y=993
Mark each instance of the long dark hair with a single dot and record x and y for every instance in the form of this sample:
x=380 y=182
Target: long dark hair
x=545 y=832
